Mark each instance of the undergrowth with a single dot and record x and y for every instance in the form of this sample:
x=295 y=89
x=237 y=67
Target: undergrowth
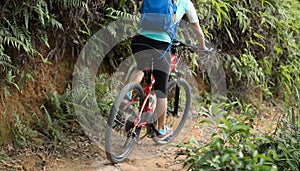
x=237 y=146
x=60 y=119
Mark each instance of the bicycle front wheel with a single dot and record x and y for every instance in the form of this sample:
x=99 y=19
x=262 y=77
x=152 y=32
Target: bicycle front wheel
x=121 y=135
x=179 y=101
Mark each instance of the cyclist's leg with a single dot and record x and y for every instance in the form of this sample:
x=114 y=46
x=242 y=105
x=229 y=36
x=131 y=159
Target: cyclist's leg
x=161 y=74
x=141 y=54
x=136 y=76
x=161 y=110
x=145 y=49
x=161 y=79
x=164 y=131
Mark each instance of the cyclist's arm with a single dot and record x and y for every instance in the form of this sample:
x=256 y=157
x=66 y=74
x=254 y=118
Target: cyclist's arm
x=199 y=34
x=193 y=18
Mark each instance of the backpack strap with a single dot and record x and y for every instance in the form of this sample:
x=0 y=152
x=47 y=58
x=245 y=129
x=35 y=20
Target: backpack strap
x=167 y=50
x=175 y=1
x=172 y=38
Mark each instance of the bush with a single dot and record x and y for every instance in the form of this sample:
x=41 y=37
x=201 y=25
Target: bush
x=232 y=147
x=235 y=147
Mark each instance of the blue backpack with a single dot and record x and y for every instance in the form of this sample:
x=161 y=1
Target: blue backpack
x=159 y=15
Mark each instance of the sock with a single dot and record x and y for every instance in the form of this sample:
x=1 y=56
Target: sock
x=162 y=131
x=129 y=94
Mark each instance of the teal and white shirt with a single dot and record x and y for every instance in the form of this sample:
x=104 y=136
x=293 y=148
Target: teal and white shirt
x=183 y=7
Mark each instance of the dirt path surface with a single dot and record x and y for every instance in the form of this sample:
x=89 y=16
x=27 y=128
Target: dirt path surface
x=156 y=158
x=146 y=155
x=82 y=155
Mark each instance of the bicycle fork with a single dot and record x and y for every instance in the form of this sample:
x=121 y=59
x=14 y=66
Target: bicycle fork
x=176 y=102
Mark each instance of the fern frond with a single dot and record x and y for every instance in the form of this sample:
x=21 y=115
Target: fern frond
x=116 y=14
x=126 y=23
x=77 y=4
x=18 y=38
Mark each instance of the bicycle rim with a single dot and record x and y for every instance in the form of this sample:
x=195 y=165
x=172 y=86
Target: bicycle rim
x=121 y=135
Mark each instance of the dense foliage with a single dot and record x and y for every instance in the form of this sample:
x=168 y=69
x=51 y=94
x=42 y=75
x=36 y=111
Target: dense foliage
x=259 y=40
x=28 y=28
x=40 y=32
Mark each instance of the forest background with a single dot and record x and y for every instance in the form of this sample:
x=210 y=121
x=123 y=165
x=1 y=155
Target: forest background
x=257 y=40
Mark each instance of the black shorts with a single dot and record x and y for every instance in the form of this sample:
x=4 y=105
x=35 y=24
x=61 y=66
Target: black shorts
x=146 y=51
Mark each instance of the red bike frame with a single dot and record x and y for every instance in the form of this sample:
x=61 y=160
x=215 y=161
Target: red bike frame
x=145 y=107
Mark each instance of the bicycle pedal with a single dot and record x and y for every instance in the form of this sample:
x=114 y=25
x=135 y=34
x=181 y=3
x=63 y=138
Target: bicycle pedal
x=150 y=135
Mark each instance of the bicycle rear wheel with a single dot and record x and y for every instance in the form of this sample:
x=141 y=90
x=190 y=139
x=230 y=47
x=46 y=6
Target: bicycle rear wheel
x=121 y=135
x=179 y=101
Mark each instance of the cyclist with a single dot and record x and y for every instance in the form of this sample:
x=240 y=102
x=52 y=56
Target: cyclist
x=149 y=46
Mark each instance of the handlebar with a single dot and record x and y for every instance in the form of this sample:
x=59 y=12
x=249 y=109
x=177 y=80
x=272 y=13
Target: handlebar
x=191 y=48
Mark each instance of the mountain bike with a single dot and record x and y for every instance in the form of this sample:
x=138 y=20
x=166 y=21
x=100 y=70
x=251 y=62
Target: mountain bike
x=128 y=121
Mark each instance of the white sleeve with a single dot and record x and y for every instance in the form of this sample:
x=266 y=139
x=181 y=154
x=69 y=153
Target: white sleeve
x=191 y=13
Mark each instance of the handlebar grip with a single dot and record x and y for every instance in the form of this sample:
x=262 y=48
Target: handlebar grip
x=206 y=50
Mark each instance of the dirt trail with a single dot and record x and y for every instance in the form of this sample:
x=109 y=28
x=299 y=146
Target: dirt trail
x=146 y=155
x=165 y=158
x=82 y=155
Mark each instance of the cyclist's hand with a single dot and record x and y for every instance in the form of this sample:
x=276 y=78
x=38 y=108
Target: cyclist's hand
x=196 y=49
